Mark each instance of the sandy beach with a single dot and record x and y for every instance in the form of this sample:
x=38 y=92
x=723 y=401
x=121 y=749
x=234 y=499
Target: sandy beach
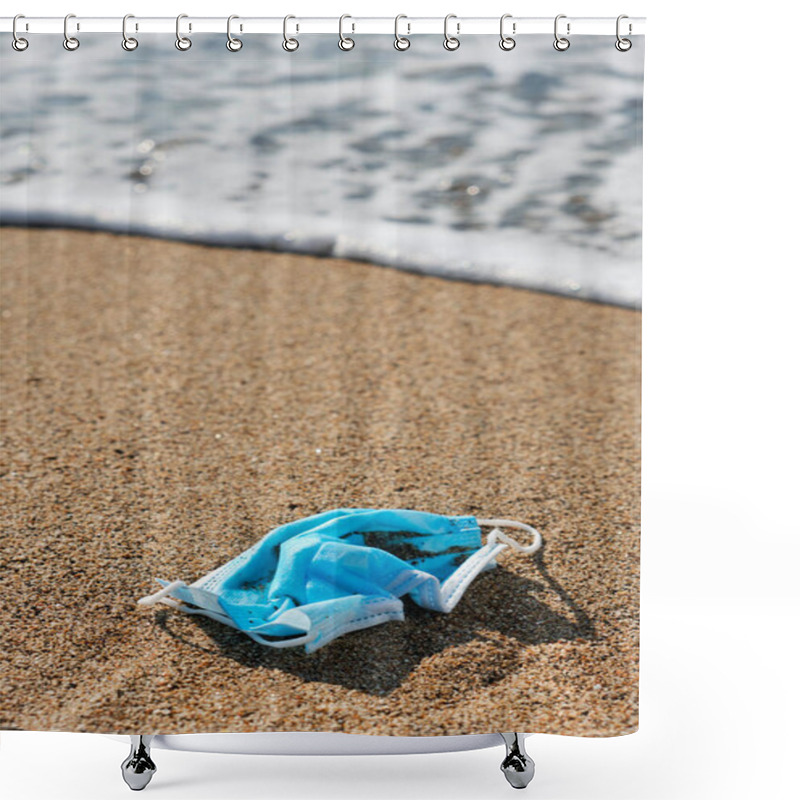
x=164 y=405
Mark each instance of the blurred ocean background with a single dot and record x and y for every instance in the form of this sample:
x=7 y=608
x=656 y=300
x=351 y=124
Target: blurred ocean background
x=521 y=167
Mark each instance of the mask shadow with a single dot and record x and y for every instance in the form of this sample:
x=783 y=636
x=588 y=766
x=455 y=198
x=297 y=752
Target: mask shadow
x=501 y=613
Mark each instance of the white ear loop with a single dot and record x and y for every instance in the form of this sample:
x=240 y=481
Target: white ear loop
x=159 y=596
x=497 y=535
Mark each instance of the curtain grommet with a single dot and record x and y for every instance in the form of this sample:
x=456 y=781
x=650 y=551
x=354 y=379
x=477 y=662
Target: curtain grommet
x=129 y=43
x=289 y=44
x=451 y=43
x=561 y=43
x=19 y=43
x=622 y=44
x=346 y=43
x=401 y=43
x=507 y=42
x=182 y=43
x=71 y=43
x=233 y=44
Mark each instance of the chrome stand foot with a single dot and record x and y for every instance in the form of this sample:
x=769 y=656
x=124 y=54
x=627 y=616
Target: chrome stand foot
x=138 y=768
x=517 y=766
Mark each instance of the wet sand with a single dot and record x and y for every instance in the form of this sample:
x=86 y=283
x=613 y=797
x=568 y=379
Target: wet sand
x=164 y=405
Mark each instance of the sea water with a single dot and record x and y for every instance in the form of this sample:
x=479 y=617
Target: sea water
x=520 y=168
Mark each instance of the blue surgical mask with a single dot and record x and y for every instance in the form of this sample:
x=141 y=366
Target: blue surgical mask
x=312 y=580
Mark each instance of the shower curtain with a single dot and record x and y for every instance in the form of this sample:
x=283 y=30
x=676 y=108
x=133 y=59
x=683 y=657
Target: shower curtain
x=295 y=334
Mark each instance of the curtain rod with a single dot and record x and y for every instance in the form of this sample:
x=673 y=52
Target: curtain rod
x=460 y=26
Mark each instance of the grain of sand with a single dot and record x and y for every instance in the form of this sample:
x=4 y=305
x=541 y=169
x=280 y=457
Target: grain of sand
x=164 y=405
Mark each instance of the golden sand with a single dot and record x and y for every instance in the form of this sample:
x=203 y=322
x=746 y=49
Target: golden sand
x=164 y=405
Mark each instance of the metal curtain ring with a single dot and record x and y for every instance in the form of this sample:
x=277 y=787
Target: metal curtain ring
x=507 y=42
x=451 y=42
x=345 y=42
x=623 y=45
x=401 y=42
x=289 y=44
x=18 y=43
x=128 y=42
x=233 y=44
x=183 y=43
x=70 y=42
x=561 y=43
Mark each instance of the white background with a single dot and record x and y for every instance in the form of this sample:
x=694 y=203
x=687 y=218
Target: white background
x=720 y=694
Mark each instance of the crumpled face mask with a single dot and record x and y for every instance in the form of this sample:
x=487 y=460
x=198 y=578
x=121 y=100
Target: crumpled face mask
x=310 y=581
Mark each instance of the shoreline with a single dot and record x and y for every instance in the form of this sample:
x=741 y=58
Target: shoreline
x=323 y=248
x=166 y=404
